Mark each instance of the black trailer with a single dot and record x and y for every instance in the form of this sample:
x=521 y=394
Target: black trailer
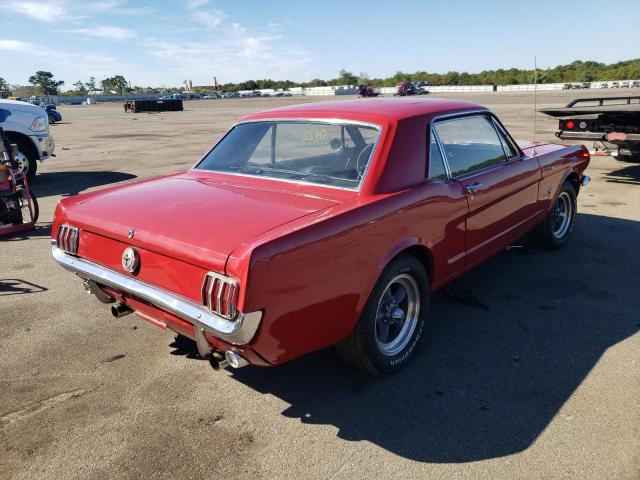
x=162 y=105
x=612 y=123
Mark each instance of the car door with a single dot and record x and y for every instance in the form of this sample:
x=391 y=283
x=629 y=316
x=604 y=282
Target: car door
x=501 y=184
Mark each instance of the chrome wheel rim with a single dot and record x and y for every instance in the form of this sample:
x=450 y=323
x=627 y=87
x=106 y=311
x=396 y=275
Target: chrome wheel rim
x=397 y=314
x=562 y=213
x=23 y=163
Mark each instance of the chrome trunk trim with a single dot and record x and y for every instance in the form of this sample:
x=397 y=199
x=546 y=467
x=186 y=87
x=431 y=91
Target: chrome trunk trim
x=237 y=332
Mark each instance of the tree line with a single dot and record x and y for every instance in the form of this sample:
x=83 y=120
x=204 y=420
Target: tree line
x=43 y=82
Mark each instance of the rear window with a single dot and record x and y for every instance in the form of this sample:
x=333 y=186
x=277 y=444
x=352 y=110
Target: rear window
x=331 y=154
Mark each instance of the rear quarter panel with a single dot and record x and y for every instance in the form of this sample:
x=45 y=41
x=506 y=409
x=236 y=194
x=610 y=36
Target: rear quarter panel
x=557 y=163
x=317 y=279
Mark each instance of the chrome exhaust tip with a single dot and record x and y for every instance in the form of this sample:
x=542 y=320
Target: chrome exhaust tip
x=120 y=310
x=230 y=359
x=234 y=360
x=586 y=179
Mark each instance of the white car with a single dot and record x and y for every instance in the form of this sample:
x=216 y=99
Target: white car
x=27 y=126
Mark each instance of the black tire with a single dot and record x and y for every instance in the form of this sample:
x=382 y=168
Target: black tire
x=30 y=156
x=36 y=207
x=52 y=119
x=554 y=232
x=362 y=348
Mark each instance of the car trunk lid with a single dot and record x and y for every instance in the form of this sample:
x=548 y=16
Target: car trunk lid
x=194 y=219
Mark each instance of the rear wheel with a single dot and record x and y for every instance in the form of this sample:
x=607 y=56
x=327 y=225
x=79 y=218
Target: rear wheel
x=556 y=229
x=392 y=321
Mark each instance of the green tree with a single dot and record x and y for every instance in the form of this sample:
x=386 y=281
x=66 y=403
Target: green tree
x=117 y=83
x=91 y=84
x=3 y=84
x=45 y=83
x=80 y=89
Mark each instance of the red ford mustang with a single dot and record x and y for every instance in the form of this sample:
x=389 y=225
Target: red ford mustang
x=320 y=224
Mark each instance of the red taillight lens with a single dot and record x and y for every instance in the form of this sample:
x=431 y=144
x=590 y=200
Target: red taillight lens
x=68 y=239
x=570 y=124
x=220 y=294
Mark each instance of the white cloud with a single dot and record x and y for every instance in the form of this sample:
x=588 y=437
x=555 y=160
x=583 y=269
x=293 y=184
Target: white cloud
x=209 y=17
x=14 y=45
x=49 y=11
x=193 y=4
x=113 y=33
x=233 y=54
x=28 y=49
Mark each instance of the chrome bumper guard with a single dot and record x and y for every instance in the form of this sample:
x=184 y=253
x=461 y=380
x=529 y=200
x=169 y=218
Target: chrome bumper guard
x=238 y=332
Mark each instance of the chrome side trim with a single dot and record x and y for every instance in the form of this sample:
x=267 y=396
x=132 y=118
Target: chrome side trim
x=238 y=332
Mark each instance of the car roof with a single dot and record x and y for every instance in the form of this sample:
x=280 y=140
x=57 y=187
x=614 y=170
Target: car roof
x=388 y=108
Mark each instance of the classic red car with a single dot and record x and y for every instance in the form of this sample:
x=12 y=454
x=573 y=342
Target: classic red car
x=320 y=224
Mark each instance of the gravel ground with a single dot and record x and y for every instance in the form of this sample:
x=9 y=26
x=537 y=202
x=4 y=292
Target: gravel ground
x=544 y=384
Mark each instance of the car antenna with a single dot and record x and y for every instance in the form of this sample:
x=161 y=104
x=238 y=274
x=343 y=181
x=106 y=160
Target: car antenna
x=535 y=103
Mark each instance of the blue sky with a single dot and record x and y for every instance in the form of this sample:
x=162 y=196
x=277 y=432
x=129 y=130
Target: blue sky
x=155 y=43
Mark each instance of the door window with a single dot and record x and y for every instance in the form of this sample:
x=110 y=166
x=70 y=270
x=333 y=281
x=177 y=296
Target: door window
x=470 y=144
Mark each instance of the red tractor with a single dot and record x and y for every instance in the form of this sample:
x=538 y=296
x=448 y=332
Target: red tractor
x=18 y=207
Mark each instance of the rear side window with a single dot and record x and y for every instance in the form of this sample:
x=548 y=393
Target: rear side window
x=436 y=163
x=470 y=144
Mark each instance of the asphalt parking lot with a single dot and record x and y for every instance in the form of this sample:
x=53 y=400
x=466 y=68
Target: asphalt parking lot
x=545 y=383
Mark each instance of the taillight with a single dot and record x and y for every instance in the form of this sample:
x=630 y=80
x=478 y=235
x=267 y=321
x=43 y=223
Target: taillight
x=220 y=294
x=570 y=124
x=68 y=238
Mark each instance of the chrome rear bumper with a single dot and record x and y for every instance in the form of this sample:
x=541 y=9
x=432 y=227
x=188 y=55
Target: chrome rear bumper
x=238 y=332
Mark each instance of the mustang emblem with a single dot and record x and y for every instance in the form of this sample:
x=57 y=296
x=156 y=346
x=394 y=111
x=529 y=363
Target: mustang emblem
x=130 y=259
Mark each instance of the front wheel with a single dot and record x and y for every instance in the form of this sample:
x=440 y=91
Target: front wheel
x=556 y=229
x=27 y=160
x=391 y=324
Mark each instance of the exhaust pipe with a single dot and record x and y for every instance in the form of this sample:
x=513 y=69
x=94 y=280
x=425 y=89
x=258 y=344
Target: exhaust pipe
x=120 y=310
x=231 y=359
x=216 y=362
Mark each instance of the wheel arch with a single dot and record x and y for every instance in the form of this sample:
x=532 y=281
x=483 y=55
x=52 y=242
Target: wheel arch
x=574 y=178
x=409 y=246
x=17 y=137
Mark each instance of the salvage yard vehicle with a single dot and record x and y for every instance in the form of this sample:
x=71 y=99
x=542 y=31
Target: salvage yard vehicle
x=18 y=206
x=27 y=126
x=611 y=123
x=367 y=91
x=321 y=224
x=53 y=114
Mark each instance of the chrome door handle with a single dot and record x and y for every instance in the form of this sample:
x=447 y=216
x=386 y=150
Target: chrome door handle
x=472 y=189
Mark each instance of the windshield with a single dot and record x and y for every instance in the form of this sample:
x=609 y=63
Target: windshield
x=311 y=151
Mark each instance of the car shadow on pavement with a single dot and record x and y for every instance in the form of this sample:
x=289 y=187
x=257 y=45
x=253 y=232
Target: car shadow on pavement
x=629 y=175
x=40 y=231
x=71 y=183
x=17 y=286
x=485 y=383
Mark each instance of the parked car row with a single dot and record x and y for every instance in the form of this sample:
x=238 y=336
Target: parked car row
x=411 y=88
x=625 y=84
